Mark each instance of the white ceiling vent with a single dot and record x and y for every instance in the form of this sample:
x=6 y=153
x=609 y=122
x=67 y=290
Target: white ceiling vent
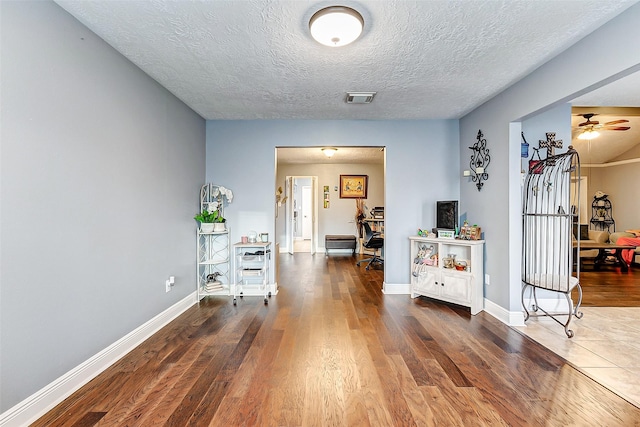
x=360 y=97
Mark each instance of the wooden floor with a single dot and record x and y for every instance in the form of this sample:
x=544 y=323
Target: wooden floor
x=331 y=350
x=610 y=286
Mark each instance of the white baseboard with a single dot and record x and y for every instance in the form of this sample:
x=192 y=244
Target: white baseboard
x=516 y=318
x=511 y=318
x=49 y=396
x=396 y=288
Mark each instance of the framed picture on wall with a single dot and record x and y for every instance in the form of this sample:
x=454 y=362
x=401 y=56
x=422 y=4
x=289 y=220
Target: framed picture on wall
x=353 y=186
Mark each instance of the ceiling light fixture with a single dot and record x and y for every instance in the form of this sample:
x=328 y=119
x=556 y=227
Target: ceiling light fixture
x=336 y=26
x=329 y=152
x=589 y=134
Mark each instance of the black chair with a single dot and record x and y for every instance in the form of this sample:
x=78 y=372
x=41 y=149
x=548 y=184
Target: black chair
x=372 y=241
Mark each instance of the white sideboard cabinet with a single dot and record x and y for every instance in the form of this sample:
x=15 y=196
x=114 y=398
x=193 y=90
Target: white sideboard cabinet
x=448 y=270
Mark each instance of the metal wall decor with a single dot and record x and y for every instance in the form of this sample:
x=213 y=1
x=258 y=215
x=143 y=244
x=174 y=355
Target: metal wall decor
x=479 y=161
x=550 y=144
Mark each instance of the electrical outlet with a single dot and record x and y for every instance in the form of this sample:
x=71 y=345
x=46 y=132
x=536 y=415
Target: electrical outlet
x=167 y=286
x=487 y=280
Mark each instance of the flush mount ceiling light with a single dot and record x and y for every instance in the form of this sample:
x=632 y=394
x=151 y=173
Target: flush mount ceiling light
x=329 y=151
x=336 y=26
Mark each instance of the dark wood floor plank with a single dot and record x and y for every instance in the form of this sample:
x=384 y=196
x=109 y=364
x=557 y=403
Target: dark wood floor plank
x=331 y=349
x=194 y=396
x=89 y=419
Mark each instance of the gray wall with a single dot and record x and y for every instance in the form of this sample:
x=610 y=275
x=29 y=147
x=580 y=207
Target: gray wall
x=619 y=182
x=421 y=168
x=339 y=217
x=100 y=173
x=567 y=76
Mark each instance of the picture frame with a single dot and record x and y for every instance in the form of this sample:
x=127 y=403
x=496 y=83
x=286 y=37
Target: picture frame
x=446 y=234
x=354 y=186
x=447 y=214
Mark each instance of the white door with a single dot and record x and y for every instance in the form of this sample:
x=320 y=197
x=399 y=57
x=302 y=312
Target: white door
x=307 y=214
x=290 y=219
x=314 y=214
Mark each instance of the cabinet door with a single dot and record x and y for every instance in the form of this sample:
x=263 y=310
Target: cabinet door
x=427 y=282
x=456 y=287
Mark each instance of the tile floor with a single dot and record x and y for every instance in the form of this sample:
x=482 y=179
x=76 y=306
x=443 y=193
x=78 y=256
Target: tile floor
x=605 y=347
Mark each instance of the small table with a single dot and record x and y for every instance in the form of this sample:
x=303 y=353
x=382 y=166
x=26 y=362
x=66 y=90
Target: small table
x=602 y=252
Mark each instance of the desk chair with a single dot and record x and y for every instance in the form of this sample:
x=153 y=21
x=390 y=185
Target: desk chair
x=372 y=241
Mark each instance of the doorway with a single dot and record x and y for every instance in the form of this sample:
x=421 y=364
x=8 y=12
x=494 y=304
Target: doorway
x=331 y=214
x=301 y=227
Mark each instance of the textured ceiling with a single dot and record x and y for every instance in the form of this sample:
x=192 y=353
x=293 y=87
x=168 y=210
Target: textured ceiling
x=255 y=59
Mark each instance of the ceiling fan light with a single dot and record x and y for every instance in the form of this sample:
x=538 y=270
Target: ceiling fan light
x=329 y=151
x=589 y=134
x=336 y=26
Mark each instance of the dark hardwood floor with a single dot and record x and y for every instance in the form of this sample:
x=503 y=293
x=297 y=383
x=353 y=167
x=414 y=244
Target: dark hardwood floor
x=610 y=286
x=331 y=350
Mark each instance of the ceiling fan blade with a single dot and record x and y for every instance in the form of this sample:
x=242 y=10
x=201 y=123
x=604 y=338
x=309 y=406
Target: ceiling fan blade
x=615 y=122
x=616 y=128
x=589 y=123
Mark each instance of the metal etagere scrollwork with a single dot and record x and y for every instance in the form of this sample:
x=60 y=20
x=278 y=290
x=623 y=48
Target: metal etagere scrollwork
x=549 y=253
x=480 y=159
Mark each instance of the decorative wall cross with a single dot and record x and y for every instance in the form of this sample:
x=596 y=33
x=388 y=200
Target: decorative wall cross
x=550 y=144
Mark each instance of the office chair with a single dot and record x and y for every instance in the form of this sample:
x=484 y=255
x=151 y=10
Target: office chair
x=372 y=241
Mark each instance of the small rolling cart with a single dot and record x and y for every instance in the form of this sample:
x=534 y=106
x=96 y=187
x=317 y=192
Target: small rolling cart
x=252 y=270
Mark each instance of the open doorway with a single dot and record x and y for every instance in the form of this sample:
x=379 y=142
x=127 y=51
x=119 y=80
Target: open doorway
x=332 y=212
x=301 y=215
x=610 y=295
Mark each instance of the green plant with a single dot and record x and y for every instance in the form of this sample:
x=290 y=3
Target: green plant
x=206 y=216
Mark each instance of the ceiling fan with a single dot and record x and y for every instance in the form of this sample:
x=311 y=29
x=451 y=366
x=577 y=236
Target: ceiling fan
x=590 y=128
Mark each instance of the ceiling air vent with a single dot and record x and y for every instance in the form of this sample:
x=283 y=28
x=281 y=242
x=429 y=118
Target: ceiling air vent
x=360 y=97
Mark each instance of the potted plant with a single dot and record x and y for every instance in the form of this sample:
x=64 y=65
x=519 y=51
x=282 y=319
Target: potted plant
x=218 y=221
x=210 y=221
x=212 y=200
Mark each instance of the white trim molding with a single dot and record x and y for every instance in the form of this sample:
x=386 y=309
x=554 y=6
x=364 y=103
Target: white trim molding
x=36 y=405
x=510 y=318
x=608 y=165
x=396 y=288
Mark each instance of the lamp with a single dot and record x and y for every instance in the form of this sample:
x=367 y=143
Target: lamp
x=336 y=26
x=589 y=134
x=329 y=151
